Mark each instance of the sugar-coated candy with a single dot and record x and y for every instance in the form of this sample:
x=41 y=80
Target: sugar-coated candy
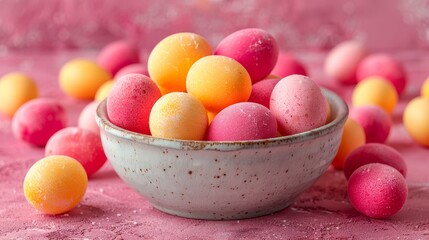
x=375 y=91
x=385 y=66
x=15 y=90
x=86 y=118
x=218 y=81
x=261 y=91
x=253 y=48
x=37 y=120
x=343 y=60
x=178 y=115
x=118 y=54
x=130 y=102
x=242 y=121
x=82 y=78
x=171 y=58
x=298 y=104
x=352 y=138
x=287 y=64
x=375 y=122
x=55 y=184
x=80 y=144
x=377 y=190
x=374 y=153
x=416 y=120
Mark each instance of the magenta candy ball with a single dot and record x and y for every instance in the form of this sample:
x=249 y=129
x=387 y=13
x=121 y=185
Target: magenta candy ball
x=374 y=153
x=87 y=118
x=253 y=48
x=375 y=122
x=80 y=144
x=130 y=102
x=132 y=68
x=37 y=120
x=261 y=91
x=385 y=66
x=377 y=190
x=298 y=105
x=287 y=64
x=117 y=55
x=242 y=121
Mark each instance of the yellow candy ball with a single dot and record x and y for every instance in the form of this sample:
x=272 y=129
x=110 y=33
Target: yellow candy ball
x=425 y=89
x=416 y=120
x=218 y=81
x=375 y=91
x=15 y=90
x=55 y=184
x=104 y=90
x=178 y=115
x=170 y=59
x=352 y=138
x=81 y=78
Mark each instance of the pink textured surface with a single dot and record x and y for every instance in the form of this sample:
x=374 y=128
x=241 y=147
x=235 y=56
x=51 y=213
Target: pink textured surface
x=111 y=210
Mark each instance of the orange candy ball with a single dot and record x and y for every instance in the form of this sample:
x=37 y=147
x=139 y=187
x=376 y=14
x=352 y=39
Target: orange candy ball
x=104 y=90
x=416 y=120
x=353 y=137
x=55 y=184
x=218 y=81
x=81 y=78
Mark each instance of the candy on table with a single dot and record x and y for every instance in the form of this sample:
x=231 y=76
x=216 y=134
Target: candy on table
x=352 y=138
x=132 y=68
x=130 y=102
x=171 y=59
x=80 y=144
x=37 y=120
x=298 y=104
x=377 y=190
x=343 y=60
x=87 y=118
x=82 y=78
x=374 y=153
x=116 y=55
x=425 y=89
x=253 y=48
x=375 y=91
x=261 y=91
x=416 y=120
x=55 y=184
x=375 y=122
x=385 y=66
x=15 y=90
x=178 y=115
x=287 y=64
x=104 y=90
x=243 y=121
x=218 y=81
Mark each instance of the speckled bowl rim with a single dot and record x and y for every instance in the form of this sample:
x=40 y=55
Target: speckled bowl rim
x=336 y=103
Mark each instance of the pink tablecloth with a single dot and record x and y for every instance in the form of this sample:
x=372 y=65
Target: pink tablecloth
x=111 y=210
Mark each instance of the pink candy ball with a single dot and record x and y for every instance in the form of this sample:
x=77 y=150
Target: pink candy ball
x=132 y=68
x=117 y=55
x=87 y=118
x=242 y=121
x=80 y=144
x=253 y=48
x=343 y=60
x=37 y=120
x=377 y=190
x=287 y=65
x=374 y=153
x=385 y=66
x=375 y=122
x=298 y=105
x=130 y=102
x=261 y=91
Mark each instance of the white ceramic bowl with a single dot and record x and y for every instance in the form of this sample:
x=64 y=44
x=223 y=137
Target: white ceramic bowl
x=222 y=180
